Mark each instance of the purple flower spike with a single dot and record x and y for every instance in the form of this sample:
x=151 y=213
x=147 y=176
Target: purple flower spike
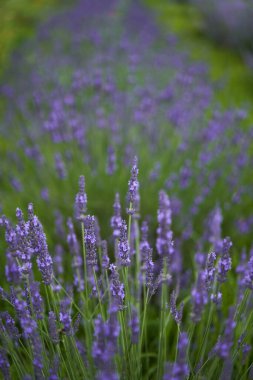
x=117 y=288
x=116 y=220
x=90 y=241
x=81 y=200
x=164 y=243
x=225 y=342
x=210 y=270
x=37 y=301
x=65 y=317
x=37 y=355
x=123 y=246
x=180 y=369
x=4 y=365
x=38 y=246
x=105 y=345
x=52 y=327
x=10 y=326
x=248 y=274
x=133 y=188
x=225 y=262
x=45 y=265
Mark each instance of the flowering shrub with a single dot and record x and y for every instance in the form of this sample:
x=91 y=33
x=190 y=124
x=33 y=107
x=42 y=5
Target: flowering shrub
x=122 y=284
x=127 y=312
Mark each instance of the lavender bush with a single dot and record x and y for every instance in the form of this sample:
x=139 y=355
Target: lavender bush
x=122 y=280
x=102 y=101
x=124 y=313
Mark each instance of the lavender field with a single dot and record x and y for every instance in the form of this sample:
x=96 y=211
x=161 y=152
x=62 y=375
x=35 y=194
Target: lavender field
x=126 y=205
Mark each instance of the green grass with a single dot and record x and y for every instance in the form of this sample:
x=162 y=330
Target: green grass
x=18 y=19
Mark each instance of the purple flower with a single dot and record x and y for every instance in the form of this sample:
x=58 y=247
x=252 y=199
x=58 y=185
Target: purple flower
x=225 y=342
x=90 y=241
x=248 y=274
x=105 y=342
x=12 y=269
x=4 y=364
x=38 y=244
x=52 y=327
x=36 y=300
x=225 y=263
x=65 y=317
x=10 y=326
x=37 y=355
x=133 y=189
x=45 y=265
x=180 y=369
x=28 y=324
x=81 y=200
x=116 y=288
x=53 y=371
x=210 y=270
x=123 y=246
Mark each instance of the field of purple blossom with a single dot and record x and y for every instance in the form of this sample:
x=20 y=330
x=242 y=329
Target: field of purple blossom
x=144 y=270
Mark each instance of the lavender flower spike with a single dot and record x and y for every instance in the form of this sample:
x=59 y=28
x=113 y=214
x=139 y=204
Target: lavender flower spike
x=38 y=245
x=133 y=188
x=90 y=241
x=123 y=246
x=210 y=270
x=225 y=343
x=225 y=262
x=117 y=288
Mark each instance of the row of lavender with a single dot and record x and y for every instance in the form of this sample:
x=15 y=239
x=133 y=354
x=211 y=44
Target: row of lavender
x=118 y=317
x=98 y=85
x=102 y=81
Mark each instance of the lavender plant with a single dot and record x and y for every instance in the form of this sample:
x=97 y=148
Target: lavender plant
x=96 y=325
x=123 y=280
